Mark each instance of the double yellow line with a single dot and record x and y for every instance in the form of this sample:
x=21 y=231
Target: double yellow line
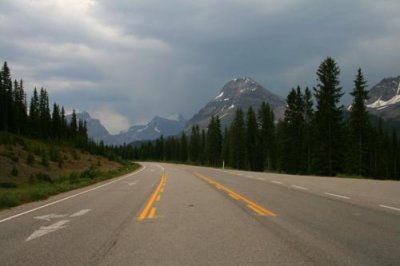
x=236 y=196
x=149 y=211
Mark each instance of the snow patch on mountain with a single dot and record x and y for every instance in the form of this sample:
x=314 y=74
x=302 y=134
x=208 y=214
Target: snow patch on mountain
x=380 y=104
x=219 y=95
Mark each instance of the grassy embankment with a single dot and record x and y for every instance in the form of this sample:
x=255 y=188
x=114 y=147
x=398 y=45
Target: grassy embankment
x=34 y=170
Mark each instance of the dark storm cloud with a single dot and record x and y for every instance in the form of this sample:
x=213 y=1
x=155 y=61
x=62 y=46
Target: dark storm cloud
x=141 y=58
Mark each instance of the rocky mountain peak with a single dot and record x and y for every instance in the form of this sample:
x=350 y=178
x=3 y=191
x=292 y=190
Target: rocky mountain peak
x=385 y=93
x=237 y=93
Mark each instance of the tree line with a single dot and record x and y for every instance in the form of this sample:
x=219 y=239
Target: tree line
x=317 y=136
x=37 y=121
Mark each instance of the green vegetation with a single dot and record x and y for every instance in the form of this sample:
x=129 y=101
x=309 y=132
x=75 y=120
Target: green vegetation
x=41 y=153
x=317 y=136
x=41 y=185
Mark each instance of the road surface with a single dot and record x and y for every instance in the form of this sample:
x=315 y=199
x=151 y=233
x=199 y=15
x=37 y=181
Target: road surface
x=168 y=214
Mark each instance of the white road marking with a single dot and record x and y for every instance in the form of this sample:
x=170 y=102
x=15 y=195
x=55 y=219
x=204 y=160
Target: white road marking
x=276 y=182
x=80 y=213
x=159 y=166
x=44 y=230
x=70 y=197
x=261 y=178
x=389 y=207
x=48 y=217
x=133 y=183
x=335 y=195
x=299 y=187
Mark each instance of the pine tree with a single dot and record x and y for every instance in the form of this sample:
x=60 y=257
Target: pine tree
x=194 y=150
x=6 y=99
x=293 y=133
x=183 y=148
x=252 y=141
x=226 y=148
x=359 y=128
x=44 y=113
x=328 y=120
x=34 y=114
x=214 y=142
x=267 y=137
x=19 y=108
x=73 y=124
x=308 y=145
x=238 y=144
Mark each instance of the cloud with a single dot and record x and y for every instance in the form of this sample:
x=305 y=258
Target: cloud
x=112 y=120
x=141 y=58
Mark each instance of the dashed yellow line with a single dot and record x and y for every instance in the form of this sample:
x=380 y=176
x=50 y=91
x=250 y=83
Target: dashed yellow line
x=155 y=197
x=258 y=209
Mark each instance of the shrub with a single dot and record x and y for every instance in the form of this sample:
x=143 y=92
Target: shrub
x=8 y=185
x=11 y=155
x=14 y=171
x=40 y=178
x=30 y=159
x=45 y=161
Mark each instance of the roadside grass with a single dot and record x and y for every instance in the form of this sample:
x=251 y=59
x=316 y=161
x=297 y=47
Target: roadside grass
x=42 y=186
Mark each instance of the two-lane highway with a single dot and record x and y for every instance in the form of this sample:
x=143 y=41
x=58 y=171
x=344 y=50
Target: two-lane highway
x=168 y=214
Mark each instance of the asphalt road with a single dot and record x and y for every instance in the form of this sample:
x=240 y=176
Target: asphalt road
x=182 y=215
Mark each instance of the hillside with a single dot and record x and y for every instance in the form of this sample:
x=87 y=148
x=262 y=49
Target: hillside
x=32 y=169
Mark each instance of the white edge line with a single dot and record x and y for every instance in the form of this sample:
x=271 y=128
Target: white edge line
x=276 y=182
x=70 y=197
x=335 y=195
x=299 y=187
x=389 y=207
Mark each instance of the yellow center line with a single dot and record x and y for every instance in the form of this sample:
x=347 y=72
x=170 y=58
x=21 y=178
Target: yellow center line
x=152 y=213
x=158 y=198
x=250 y=204
x=149 y=204
x=233 y=196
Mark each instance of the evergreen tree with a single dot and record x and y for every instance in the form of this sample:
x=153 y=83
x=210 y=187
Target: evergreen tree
x=44 y=113
x=19 y=108
x=308 y=145
x=73 y=124
x=252 y=149
x=34 y=114
x=267 y=137
x=6 y=99
x=194 y=150
x=183 y=148
x=238 y=144
x=203 y=145
x=293 y=133
x=226 y=148
x=359 y=128
x=214 y=142
x=56 y=121
x=328 y=120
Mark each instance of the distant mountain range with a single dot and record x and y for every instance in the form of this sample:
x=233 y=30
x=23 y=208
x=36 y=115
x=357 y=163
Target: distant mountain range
x=168 y=126
x=241 y=93
x=237 y=93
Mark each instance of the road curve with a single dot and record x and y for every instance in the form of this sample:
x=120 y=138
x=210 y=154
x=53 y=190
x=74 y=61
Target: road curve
x=167 y=214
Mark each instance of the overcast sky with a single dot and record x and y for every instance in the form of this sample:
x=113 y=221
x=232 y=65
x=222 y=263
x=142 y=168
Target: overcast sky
x=125 y=61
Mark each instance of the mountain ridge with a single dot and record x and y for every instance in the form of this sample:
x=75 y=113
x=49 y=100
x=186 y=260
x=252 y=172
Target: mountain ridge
x=237 y=93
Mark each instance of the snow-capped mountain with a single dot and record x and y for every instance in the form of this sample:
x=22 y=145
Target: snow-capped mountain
x=96 y=130
x=385 y=99
x=237 y=93
x=169 y=126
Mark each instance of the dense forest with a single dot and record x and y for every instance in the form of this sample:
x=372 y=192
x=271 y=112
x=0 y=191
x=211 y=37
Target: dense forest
x=39 y=121
x=317 y=136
